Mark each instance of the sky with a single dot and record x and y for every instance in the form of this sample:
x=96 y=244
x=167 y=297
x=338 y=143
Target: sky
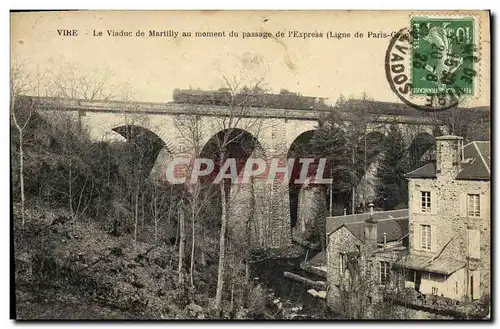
x=152 y=67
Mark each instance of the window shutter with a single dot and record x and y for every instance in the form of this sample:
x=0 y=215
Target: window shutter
x=434 y=244
x=463 y=204
x=417 y=202
x=474 y=243
x=484 y=205
x=416 y=236
x=434 y=202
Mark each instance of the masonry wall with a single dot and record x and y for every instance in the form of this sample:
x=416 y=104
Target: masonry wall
x=265 y=208
x=343 y=241
x=448 y=219
x=452 y=286
x=306 y=208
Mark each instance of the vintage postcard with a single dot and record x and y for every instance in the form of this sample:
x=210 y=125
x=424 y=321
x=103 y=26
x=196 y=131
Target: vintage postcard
x=240 y=165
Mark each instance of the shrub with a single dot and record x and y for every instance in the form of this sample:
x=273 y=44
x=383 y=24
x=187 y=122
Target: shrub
x=257 y=302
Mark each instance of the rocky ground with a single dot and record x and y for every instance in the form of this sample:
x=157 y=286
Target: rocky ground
x=75 y=269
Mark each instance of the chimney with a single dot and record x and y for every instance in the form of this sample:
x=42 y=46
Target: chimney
x=449 y=150
x=370 y=231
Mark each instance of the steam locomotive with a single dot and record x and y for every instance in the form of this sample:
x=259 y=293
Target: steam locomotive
x=222 y=97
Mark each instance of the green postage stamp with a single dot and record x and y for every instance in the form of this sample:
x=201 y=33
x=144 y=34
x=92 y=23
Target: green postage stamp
x=443 y=56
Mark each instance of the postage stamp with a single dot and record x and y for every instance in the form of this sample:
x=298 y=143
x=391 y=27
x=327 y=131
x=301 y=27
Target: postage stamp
x=434 y=63
x=443 y=55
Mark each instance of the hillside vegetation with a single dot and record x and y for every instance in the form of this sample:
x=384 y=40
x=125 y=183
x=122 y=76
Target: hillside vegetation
x=101 y=240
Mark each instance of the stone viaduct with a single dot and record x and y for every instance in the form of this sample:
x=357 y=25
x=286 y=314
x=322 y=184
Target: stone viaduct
x=273 y=131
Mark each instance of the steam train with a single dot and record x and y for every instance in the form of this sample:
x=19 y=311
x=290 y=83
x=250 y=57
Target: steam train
x=222 y=97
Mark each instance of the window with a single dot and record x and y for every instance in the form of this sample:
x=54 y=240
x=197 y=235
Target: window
x=426 y=201
x=410 y=275
x=456 y=287
x=385 y=268
x=425 y=237
x=434 y=290
x=343 y=263
x=475 y=284
x=473 y=209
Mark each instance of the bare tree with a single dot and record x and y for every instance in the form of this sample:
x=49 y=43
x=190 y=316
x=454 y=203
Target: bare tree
x=138 y=167
x=20 y=82
x=68 y=81
x=356 y=286
x=182 y=243
x=157 y=202
x=233 y=126
x=470 y=123
x=365 y=291
x=71 y=81
x=74 y=142
x=190 y=128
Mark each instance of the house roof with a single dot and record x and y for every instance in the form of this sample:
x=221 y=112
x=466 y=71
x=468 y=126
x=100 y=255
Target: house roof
x=394 y=229
x=474 y=166
x=319 y=259
x=335 y=222
x=484 y=149
x=439 y=265
x=426 y=171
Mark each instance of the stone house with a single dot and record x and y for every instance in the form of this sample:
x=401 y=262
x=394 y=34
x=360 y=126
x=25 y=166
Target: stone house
x=449 y=222
x=361 y=250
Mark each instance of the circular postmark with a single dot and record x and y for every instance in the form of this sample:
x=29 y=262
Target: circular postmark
x=429 y=68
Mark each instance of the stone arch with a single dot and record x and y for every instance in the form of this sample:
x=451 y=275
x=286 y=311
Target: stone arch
x=241 y=145
x=295 y=128
x=370 y=151
x=298 y=148
x=247 y=223
x=102 y=126
x=423 y=143
x=155 y=151
x=134 y=132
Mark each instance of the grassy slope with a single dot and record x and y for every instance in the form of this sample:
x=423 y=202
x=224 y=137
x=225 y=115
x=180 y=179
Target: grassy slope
x=76 y=270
